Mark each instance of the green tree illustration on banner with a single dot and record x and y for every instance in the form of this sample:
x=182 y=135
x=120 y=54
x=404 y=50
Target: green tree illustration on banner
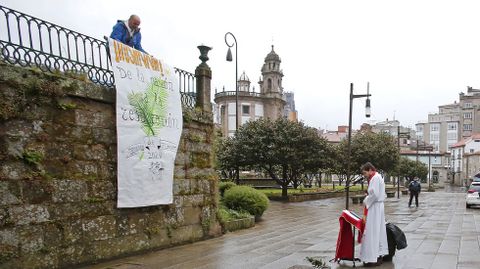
x=151 y=106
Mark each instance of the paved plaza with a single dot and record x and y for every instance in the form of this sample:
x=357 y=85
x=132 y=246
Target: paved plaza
x=441 y=234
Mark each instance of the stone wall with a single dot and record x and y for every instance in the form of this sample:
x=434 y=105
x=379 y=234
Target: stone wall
x=58 y=177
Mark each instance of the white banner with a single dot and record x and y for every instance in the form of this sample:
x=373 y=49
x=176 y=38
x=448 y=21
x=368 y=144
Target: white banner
x=149 y=125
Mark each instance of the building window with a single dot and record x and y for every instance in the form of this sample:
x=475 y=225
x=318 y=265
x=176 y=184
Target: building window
x=222 y=114
x=269 y=84
x=467 y=127
x=435 y=127
x=419 y=128
x=468 y=105
x=434 y=137
x=467 y=115
x=452 y=126
x=452 y=136
x=245 y=110
x=472 y=150
x=435 y=176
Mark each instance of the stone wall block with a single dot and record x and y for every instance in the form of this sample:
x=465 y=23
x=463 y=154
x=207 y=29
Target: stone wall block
x=201 y=159
x=107 y=171
x=9 y=242
x=28 y=214
x=181 y=186
x=65 y=191
x=96 y=152
x=178 y=172
x=194 y=200
x=14 y=146
x=178 y=200
x=73 y=254
x=103 y=190
x=131 y=224
x=84 y=169
x=192 y=215
x=100 y=115
x=100 y=228
x=71 y=232
x=65 y=118
x=43 y=259
x=36 y=191
x=93 y=208
x=56 y=168
x=52 y=236
x=187 y=233
x=112 y=154
x=9 y=193
x=31 y=239
x=159 y=237
x=180 y=158
x=4 y=217
x=81 y=134
x=17 y=128
x=117 y=246
x=104 y=135
x=14 y=170
x=59 y=151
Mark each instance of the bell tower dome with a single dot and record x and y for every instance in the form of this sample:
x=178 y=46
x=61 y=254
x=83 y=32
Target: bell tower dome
x=271 y=80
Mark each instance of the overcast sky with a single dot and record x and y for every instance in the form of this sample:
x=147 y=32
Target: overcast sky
x=416 y=55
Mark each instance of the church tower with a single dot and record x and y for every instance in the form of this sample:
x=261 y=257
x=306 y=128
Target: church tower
x=269 y=103
x=271 y=86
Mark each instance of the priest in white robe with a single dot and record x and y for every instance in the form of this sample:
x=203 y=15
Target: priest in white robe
x=374 y=241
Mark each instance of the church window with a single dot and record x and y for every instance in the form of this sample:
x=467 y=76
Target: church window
x=269 y=84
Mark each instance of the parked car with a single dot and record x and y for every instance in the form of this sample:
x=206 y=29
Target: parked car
x=473 y=195
x=476 y=178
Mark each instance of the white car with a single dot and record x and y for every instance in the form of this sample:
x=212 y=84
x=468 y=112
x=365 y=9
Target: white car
x=473 y=194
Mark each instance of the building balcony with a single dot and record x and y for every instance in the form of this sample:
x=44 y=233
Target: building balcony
x=244 y=94
x=240 y=93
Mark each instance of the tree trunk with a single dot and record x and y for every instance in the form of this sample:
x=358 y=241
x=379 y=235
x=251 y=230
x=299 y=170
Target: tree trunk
x=285 y=181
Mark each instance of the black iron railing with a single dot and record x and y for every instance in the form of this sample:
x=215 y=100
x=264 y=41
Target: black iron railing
x=32 y=42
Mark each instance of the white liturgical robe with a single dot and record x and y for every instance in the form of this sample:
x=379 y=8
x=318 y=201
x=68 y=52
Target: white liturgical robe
x=374 y=240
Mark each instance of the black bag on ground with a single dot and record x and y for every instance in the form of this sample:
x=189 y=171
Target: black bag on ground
x=396 y=240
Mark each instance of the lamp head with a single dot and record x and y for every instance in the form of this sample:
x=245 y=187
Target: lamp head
x=229 y=55
x=367 y=108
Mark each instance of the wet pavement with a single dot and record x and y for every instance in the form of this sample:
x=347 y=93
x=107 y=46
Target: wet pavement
x=441 y=234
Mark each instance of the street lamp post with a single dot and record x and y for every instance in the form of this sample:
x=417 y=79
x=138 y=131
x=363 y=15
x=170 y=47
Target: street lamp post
x=401 y=135
x=349 y=148
x=229 y=59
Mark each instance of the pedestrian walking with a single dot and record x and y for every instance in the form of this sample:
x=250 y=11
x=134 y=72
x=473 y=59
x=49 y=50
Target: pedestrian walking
x=414 y=187
x=374 y=241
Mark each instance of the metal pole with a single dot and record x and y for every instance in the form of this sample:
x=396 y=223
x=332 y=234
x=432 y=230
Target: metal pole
x=347 y=187
x=429 y=169
x=398 y=176
x=236 y=85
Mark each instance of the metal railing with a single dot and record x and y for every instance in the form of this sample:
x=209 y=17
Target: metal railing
x=28 y=41
x=240 y=93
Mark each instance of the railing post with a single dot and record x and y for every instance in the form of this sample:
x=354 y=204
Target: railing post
x=203 y=76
